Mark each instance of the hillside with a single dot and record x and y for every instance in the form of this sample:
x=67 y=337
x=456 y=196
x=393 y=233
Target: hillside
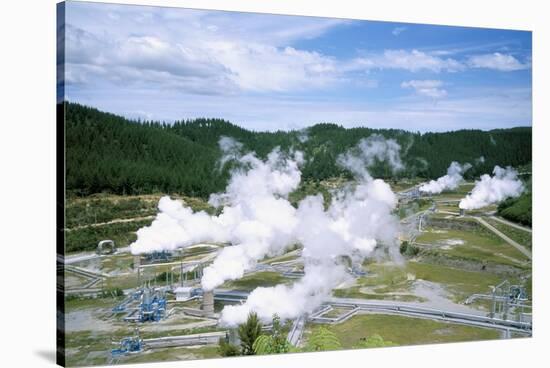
x=109 y=153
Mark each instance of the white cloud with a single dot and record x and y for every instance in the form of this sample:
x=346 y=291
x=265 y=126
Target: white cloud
x=497 y=61
x=429 y=88
x=410 y=60
x=398 y=30
x=190 y=53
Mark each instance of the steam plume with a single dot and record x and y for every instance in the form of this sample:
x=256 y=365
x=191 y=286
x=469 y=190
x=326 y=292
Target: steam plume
x=493 y=189
x=358 y=222
x=367 y=152
x=256 y=216
x=259 y=221
x=450 y=181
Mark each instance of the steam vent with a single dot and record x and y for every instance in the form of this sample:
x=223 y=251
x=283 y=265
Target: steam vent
x=208 y=303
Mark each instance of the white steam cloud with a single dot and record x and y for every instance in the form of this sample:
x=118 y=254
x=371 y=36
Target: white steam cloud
x=493 y=189
x=367 y=152
x=358 y=222
x=256 y=216
x=450 y=181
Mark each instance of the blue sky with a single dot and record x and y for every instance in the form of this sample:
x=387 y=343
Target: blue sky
x=270 y=72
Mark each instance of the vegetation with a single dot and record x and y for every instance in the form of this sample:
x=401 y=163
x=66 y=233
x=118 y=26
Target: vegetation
x=521 y=236
x=408 y=250
x=100 y=209
x=374 y=341
x=249 y=332
x=123 y=233
x=225 y=348
x=401 y=330
x=478 y=244
x=257 y=279
x=109 y=153
x=276 y=343
x=518 y=209
x=322 y=339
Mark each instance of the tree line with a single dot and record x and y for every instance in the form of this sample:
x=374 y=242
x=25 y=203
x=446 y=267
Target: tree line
x=109 y=153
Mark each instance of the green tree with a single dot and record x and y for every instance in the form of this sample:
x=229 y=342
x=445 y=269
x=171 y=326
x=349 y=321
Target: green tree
x=323 y=339
x=249 y=332
x=276 y=343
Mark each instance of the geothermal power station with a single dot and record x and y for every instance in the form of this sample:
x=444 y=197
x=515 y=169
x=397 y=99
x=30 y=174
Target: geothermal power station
x=192 y=277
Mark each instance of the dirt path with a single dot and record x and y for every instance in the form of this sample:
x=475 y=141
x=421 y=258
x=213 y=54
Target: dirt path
x=516 y=245
x=115 y=221
x=503 y=221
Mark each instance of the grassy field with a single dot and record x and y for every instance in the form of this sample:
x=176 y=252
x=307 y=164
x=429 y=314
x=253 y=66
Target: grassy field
x=478 y=245
x=524 y=238
x=458 y=282
x=94 y=348
x=385 y=279
x=405 y=330
x=168 y=354
x=356 y=293
x=123 y=262
x=254 y=280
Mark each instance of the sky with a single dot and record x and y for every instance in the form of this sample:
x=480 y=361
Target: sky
x=275 y=72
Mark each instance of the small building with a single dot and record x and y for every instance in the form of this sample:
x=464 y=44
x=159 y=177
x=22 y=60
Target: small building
x=183 y=293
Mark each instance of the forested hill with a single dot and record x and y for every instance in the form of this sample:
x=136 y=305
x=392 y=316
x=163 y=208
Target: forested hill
x=109 y=153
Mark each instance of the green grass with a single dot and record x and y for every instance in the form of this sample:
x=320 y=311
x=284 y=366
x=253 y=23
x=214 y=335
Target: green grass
x=117 y=262
x=385 y=279
x=448 y=208
x=460 y=283
x=405 y=330
x=254 y=280
x=88 y=303
x=87 y=348
x=126 y=281
x=355 y=293
x=524 y=238
x=335 y=312
x=479 y=245
x=173 y=354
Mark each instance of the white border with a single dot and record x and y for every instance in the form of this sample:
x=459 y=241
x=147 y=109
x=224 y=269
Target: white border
x=27 y=181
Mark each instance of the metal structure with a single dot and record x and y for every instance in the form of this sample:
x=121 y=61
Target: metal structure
x=110 y=244
x=144 y=305
x=129 y=345
x=127 y=301
x=508 y=301
x=152 y=306
x=156 y=257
